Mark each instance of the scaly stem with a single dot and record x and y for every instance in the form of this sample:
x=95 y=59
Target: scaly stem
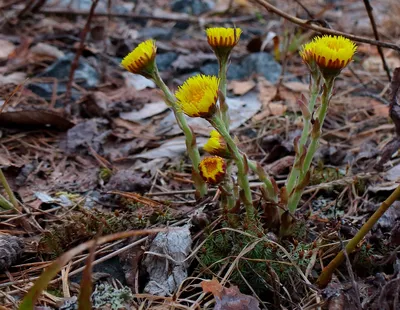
x=219 y=125
x=9 y=191
x=223 y=67
x=327 y=272
x=315 y=136
x=265 y=179
x=295 y=172
x=191 y=146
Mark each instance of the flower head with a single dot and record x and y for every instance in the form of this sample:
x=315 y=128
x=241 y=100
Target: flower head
x=197 y=97
x=330 y=53
x=222 y=40
x=212 y=169
x=216 y=145
x=141 y=59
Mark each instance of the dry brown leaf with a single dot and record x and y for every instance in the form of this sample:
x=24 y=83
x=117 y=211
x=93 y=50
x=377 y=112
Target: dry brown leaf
x=297 y=87
x=241 y=87
x=6 y=48
x=229 y=298
x=274 y=109
x=36 y=118
x=213 y=287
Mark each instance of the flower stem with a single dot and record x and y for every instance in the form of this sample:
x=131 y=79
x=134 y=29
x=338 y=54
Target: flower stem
x=223 y=68
x=315 y=136
x=219 y=125
x=265 y=179
x=191 y=145
x=9 y=191
x=295 y=172
x=327 y=272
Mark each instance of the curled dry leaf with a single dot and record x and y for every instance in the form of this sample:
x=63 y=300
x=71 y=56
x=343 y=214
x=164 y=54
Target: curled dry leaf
x=35 y=119
x=229 y=298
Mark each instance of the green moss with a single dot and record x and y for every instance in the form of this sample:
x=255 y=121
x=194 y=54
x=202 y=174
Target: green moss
x=221 y=249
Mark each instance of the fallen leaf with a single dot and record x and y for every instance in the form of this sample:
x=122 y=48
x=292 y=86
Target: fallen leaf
x=6 y=48
x=35 y=118
x=44 y=49
x=148 y=110
x=15 y=78
x=274 y=109
x=241 y=87
x=229 y=298
x=297 y=87
x=173 y=148
x=213 y=287
x=137 y=81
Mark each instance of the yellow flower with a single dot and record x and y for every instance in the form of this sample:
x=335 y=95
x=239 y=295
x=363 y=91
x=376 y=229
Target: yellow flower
x=222 y=40
x=141 y=59
x=216 y=145
x=330 y=53
x=197 y=97
x=223 y=37
x=212 y=169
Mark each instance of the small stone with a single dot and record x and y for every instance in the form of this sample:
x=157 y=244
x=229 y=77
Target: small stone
x=155 y=33
x=263 y=64
x=165 y=60
x=192 y=7
x=235 y=71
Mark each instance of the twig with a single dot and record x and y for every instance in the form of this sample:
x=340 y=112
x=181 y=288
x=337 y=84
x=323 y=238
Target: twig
x=306 y=24
x=310 y=15
x=351 y=274
x=368 y=7
x=327 y=272
x=171 y=18
x=78 y=54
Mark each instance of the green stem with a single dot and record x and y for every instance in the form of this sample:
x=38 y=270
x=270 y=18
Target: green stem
x=8 y=190
x=219 y=125
x=265 y=179
x=295 y=172
x=295 y=198
x=191 y=146
x=327 y=272
x=223 y=67
x=5 y=204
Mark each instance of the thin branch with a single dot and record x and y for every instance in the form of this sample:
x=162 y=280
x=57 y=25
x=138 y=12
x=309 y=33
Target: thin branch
x=79 y=51
x=167 y=18
x=306 y=24
x=368 y=7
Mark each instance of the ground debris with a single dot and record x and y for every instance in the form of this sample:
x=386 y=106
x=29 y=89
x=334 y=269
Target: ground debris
x=11 y=248
x=165 y=261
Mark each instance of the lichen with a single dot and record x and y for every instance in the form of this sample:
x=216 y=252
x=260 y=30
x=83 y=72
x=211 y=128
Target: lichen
x=104 y=294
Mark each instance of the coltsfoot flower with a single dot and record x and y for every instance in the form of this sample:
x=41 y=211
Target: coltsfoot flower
x=141 y=59
x=223 y=40
x=197 y=97
x=330 y=53
x=216 y=145
x=212 y=169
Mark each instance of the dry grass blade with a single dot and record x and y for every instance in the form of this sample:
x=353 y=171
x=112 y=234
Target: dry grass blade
x=86 y=283
x=33 y=294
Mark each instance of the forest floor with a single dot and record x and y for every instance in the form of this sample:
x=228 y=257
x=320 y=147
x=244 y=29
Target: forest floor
x=99 y=153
